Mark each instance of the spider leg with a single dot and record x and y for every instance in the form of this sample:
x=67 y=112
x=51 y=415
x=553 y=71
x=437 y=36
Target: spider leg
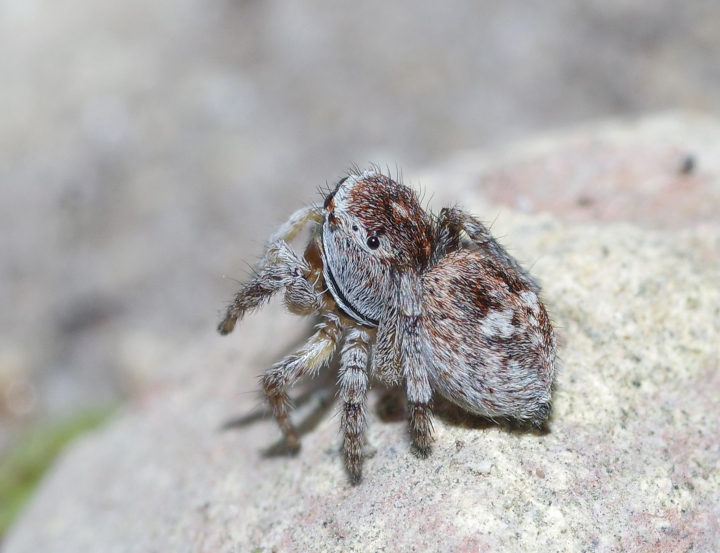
x=309 y=359
x=413 y=362
x=297 y=221
x=353 y=381
x=280 y=268
x=385 y=363
x=454 y=220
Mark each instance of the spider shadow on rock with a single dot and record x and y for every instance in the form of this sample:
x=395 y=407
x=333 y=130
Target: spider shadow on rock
x=314 y=401
x=315 y=397
x=392 y=407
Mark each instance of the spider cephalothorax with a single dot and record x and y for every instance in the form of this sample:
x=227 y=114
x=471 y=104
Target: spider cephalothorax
x=432 y=302
x=364 y=242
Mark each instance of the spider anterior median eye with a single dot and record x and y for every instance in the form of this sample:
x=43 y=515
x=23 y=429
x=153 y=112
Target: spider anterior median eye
x=373 y=242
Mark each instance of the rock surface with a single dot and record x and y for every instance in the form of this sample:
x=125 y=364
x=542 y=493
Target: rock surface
x=631 y=461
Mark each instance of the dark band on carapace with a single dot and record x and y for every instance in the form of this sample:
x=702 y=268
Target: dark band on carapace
x=330 y=196
x=342 y=301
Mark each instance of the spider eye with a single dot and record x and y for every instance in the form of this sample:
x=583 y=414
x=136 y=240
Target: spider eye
x=373 y=242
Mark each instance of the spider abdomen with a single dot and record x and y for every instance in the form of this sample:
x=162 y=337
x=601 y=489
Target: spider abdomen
x=489 y=343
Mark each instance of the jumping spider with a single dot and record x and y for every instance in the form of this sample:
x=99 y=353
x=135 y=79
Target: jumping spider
x=433 y=302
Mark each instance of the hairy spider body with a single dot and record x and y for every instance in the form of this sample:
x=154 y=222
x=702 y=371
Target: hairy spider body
x=433 y=302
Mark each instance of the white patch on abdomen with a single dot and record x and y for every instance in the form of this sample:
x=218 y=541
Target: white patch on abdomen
x=498 y=323
x=530 y=299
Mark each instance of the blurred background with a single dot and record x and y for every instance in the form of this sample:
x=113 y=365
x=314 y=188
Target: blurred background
x=149 y=147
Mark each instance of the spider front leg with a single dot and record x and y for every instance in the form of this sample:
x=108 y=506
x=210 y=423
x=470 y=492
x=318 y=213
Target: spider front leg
x=419 y=394
x=309 y=359
x=353 y=381
x=454 y=220
x=385 y=359
x=413 y=364
x=280 y=268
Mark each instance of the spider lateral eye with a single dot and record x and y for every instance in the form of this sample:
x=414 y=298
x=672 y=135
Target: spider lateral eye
x=373 y=242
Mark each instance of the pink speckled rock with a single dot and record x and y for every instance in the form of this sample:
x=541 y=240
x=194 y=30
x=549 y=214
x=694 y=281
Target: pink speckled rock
x=632 y=458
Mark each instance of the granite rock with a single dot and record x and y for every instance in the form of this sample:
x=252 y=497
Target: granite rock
x=630 y=461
